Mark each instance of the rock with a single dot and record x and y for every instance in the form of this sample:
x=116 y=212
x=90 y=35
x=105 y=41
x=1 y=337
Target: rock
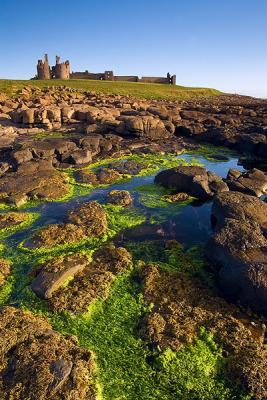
x=252 y=182
x=22 y=156
x=93 y=282
x=5 y=269
x=56 y=273
x=119 y=197
x=144 y=126
x=55 y=366
x=173 y=198
x=11 y=219
x=89 y=220
x=195 y=181
x=238 y=246
x=33 y=180
x=56 y=234
x=127 y=167
x=106 y=176
x=81 y=157
x=181 y=305
x=91 y=217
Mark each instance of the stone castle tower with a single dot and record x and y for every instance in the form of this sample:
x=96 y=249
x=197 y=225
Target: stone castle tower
x=43 y=69
x=59 y=71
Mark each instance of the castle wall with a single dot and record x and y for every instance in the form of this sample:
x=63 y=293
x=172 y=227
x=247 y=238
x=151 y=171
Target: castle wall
x=62 y=71
x=87 y=75
x=154 y=79
x=126 y=78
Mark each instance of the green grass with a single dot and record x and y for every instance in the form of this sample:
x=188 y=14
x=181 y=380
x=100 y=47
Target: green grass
x=138 y=90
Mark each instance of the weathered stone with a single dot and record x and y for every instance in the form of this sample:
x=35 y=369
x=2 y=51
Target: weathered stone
x=252 y=182
x=239 y=246
x=196 y=181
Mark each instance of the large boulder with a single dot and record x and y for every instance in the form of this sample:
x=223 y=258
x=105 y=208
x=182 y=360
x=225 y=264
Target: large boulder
x=193 y=180
x=252 y=182
x=144 y=126
x=239 y=248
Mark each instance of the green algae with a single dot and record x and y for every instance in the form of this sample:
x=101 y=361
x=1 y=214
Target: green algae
x=30 y=219
x=209 y=152
x=127 y=366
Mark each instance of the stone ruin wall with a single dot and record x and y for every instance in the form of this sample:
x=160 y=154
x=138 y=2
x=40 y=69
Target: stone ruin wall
x=62 y=71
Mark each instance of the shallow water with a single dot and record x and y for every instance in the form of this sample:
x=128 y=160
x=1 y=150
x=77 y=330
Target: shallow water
x=190 y=224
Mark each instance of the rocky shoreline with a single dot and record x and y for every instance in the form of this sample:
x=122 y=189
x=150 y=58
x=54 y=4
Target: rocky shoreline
x=48 y=140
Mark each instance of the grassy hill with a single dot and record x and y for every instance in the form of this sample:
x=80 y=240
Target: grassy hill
x=138 y=90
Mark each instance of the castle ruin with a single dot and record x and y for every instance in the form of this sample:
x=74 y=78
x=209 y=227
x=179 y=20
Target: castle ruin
x=62 y=71
x=58 y=71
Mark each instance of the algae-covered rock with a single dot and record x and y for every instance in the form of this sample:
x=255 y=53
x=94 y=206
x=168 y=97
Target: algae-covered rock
x=119 y=197
x=11 y=219
x=182 y=305
x=55 y=273
x=128 y=167
x=5 y=269
x=93 y=282
x=105 y=176
x=33 y=180
x=39 y=363
x=173 y=198
x=88 y=221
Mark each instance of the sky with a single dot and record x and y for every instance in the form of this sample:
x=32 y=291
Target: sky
x=207 y=43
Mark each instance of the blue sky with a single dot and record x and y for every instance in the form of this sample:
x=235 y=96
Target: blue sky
x=213 y=43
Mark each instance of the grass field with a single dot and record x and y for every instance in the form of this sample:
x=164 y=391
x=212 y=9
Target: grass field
x=138 y=90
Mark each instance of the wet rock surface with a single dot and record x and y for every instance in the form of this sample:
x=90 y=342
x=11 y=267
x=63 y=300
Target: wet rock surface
x=38 y=362
x=195 y=181
x=87 y=221
x=181 y=305
x=54 y=274
x=238 y=246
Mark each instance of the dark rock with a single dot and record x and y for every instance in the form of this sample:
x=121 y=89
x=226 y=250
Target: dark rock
x=239 y=248
x=252 y=182
x=196 y=181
